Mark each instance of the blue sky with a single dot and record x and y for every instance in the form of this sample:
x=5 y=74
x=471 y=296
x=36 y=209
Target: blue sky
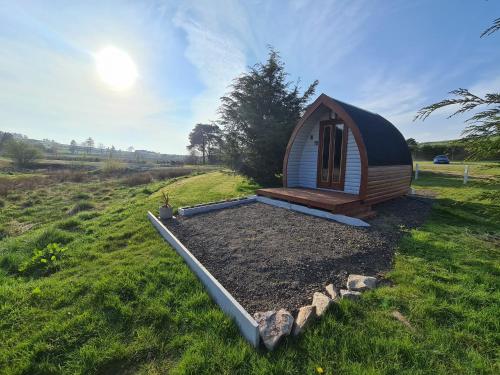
x=390 y=57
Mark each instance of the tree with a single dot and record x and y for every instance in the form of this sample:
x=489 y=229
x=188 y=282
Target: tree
x=89 y=144
x=101 y=147
x=192 y=158
x=411 y=142
x=5 y=138
x=413 y=146
x=73 y=146
x=482 y=135
x=22 y=153
x=52 y=147
x=258 y=117
x=130 y=149
x=111 y=151
x=205 y=139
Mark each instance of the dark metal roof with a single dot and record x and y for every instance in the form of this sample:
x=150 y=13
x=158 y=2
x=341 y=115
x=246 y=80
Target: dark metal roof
x=385 y=145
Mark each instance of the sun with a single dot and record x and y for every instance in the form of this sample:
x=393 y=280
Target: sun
x=116 y=68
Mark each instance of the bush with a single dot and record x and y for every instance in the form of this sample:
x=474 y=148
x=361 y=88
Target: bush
x=45 y=261
x=22 y=153
x=80 y=206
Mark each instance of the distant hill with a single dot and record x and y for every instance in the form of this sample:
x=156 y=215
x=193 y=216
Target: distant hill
x=53 y=149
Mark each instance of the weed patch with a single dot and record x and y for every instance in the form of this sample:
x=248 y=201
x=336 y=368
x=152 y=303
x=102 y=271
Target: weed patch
x=52 y=235
x=43 y=262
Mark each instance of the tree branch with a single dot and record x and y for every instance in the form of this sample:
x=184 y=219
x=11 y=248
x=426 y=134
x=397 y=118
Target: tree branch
x=493 y=28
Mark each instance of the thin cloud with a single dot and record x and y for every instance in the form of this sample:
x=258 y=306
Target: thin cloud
x=218 y=56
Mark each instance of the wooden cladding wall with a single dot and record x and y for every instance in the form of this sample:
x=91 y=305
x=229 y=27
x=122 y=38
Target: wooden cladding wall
x=387 y=182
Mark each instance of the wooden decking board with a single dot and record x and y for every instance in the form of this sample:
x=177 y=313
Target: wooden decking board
x=328 y=200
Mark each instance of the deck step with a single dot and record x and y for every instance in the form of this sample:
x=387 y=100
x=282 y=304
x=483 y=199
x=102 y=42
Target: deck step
x=353 y=210
x=366 y=215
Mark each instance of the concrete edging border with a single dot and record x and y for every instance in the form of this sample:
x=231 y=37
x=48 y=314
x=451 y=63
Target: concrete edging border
x=202 y=208
x=194 y=210
x=314 y=212
x=247 y=325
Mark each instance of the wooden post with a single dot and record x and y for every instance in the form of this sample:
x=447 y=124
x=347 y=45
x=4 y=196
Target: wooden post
x=416 y=171
x=466 y=174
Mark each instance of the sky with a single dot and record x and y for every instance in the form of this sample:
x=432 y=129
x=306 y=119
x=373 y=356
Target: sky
x=388 y=56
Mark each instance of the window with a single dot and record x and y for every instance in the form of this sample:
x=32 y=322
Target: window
x=325 y=157
x=337 y=152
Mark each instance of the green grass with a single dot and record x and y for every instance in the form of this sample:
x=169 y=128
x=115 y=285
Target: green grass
x=476 y=169
x=122 y=301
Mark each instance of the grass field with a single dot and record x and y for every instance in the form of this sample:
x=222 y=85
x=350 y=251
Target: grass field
x=119 y=300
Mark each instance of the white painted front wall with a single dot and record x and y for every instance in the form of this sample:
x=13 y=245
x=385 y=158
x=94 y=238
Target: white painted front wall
x=303 y=158
x=352 y=166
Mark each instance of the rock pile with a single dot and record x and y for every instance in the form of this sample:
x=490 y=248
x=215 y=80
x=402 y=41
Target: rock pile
x=274 y=325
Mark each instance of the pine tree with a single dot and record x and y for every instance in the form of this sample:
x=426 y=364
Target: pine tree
x=258 y=117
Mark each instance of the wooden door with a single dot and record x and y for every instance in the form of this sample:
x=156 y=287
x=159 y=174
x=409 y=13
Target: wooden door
x=332 y=154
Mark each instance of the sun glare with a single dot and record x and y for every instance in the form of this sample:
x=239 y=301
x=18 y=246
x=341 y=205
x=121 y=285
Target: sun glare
x=116 y=68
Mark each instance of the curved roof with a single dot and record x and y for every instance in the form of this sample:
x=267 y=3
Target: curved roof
x=379 y=142
x=384 y=144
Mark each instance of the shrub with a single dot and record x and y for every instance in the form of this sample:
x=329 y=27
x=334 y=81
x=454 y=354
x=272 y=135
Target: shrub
x=45 y=261
x=81 y=206
x=22 y=153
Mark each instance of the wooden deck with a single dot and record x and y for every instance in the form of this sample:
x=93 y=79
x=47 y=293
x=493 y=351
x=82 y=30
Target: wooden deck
x=336 y=202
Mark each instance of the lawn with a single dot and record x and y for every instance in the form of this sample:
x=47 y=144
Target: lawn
x=119 y=300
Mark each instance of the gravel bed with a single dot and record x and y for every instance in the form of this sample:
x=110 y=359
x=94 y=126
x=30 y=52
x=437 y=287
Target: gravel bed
x=271 y=258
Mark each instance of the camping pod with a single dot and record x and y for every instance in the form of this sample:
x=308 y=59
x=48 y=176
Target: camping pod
x=343 y=159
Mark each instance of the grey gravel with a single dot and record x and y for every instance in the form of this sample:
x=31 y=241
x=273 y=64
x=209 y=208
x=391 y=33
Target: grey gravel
x=270 y=258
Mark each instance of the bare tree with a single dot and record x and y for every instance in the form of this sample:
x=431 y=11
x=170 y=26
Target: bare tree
x=89 y=144
x=101 y=148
